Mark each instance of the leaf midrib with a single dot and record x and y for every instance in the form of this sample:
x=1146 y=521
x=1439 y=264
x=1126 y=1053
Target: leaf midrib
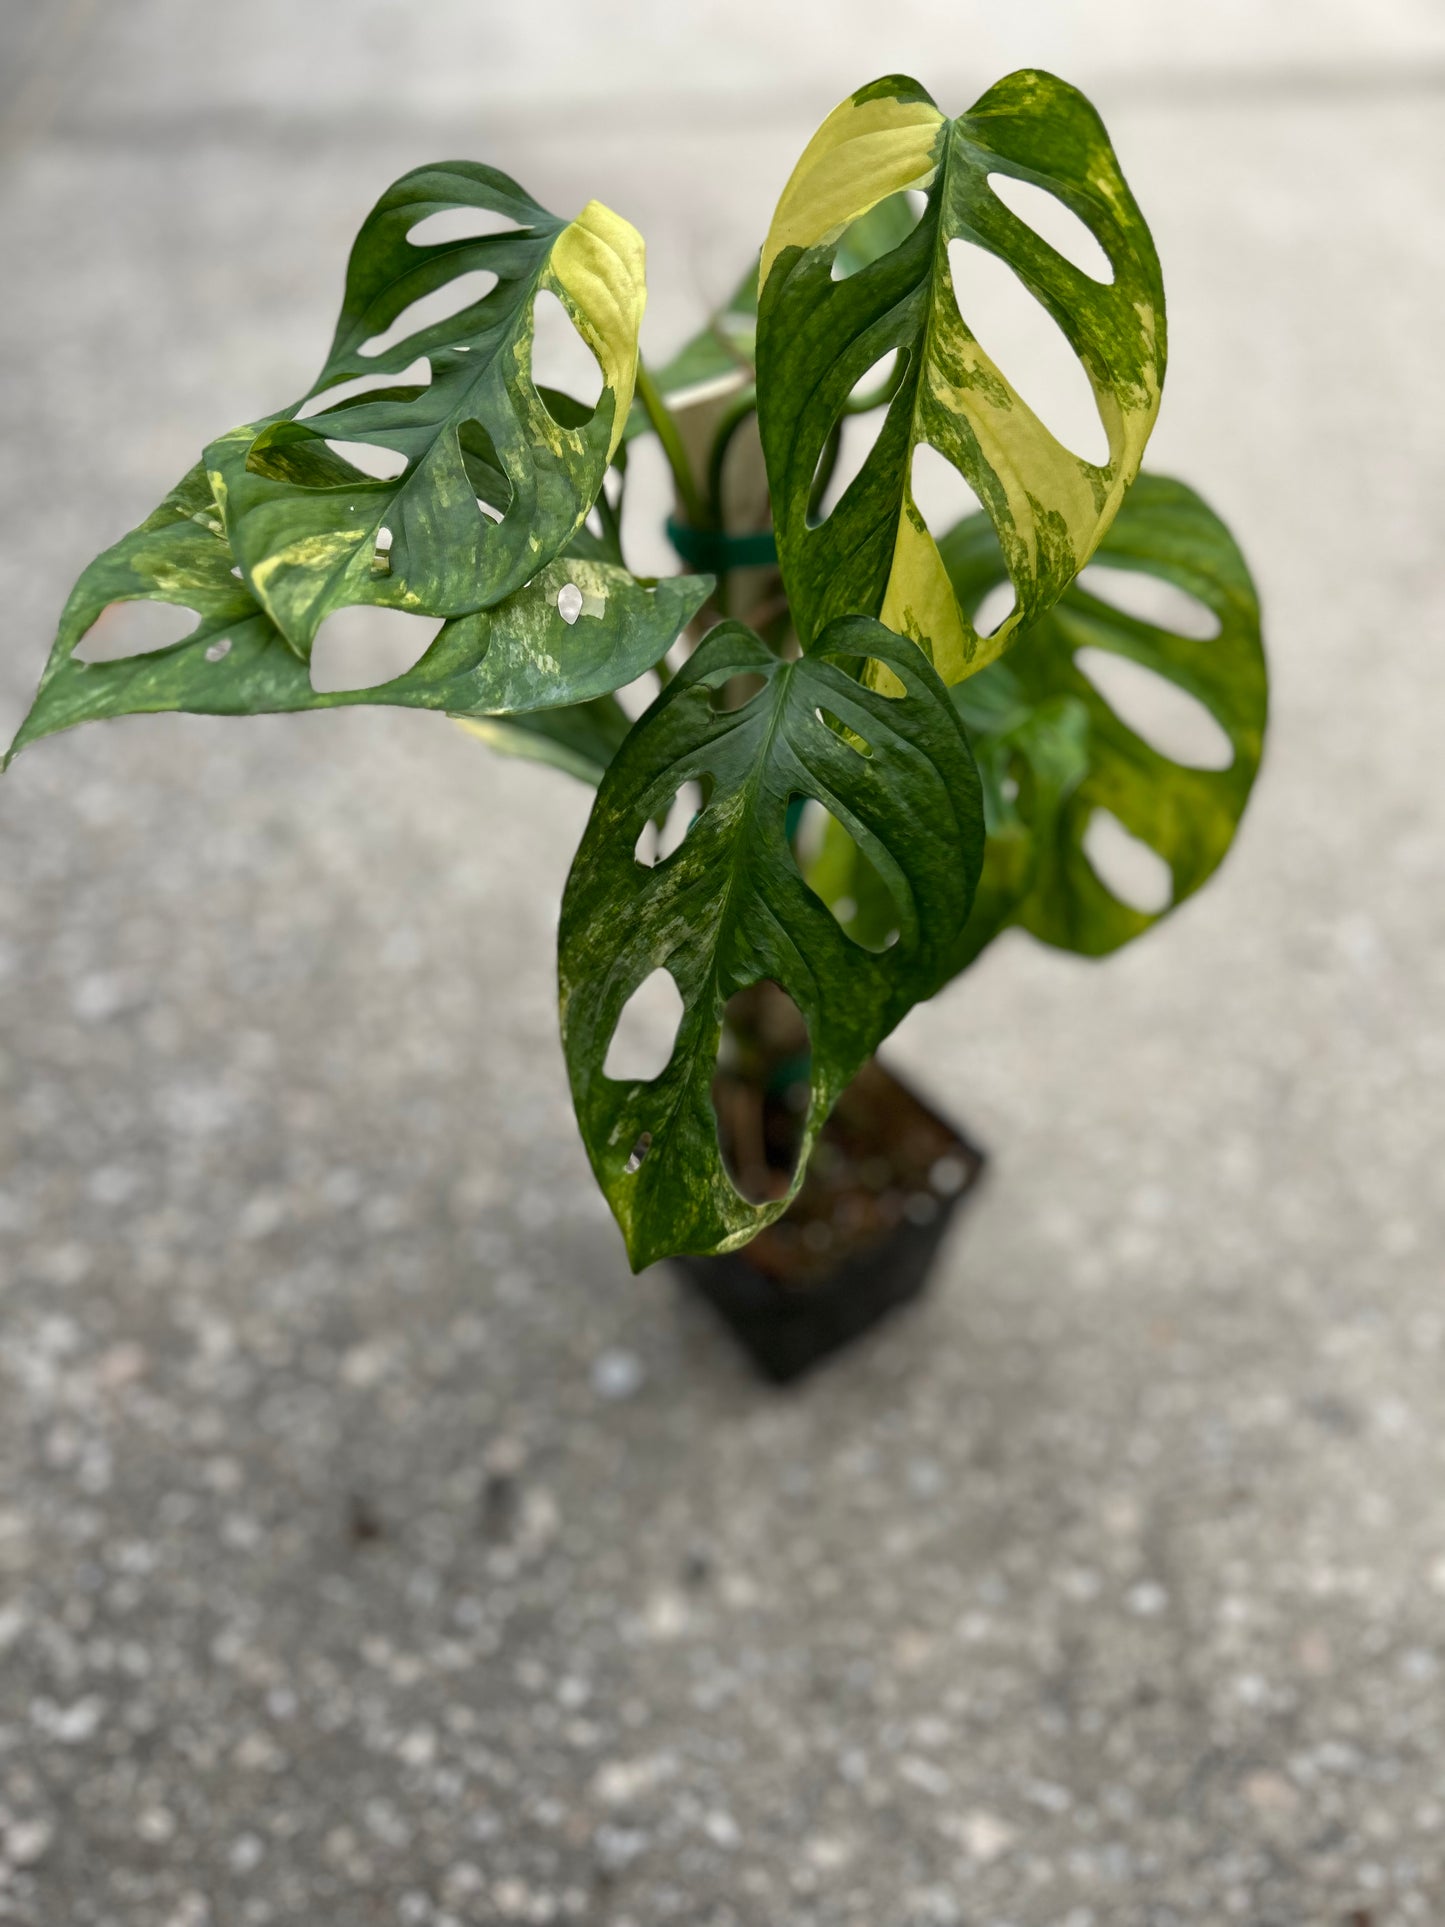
x=504 y=334
x=895 y=510
x=683 y=1083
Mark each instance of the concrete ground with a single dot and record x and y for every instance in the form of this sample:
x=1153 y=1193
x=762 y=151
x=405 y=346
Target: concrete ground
x=374 y=1549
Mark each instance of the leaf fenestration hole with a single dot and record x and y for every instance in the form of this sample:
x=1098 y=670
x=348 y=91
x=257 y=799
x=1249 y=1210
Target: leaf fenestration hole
x=1136 y=874
x=460 y=224
x=941 y=494
x=884 y=375
x=995 y=609
x=490 y=481
x=855 y=742
x=637 y=1156
x=442 y=304
x=362 y=647
x=418 y=375
x=840 y=874
x=384 y=464
x=561 y=359
x=655 y=844
x=1055 y=222
x=637 y=696
x=646 y=1034
x=1027 y=346
x=883 y=680
x=857 y=437
x=1168 y=718
x=760 y=1090
x=737 y=692
x=136 y=628
x=1150 y=598
x=878 y=232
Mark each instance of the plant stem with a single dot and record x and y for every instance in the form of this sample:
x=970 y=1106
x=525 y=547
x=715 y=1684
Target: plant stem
x=660 y=416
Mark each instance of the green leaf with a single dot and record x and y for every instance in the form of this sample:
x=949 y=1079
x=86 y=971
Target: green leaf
x=1029 y=769
x=818 y=337
x=1052 y=750
x=1038 y=718
x=729 y=907
x=517 y=657
x=306 y=525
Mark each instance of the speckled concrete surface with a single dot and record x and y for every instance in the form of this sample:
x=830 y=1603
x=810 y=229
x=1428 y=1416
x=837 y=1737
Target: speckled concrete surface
x=372 y=1547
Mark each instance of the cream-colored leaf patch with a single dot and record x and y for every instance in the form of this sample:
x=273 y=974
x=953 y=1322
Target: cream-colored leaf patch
x=864 y=151
x=599 y=269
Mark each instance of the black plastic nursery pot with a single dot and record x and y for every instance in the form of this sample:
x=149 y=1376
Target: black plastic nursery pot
x=861 y=1237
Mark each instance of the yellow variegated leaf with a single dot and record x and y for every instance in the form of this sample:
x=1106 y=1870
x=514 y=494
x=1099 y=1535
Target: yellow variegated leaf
x=546 y=658
x=818 y=336
x=312 y=535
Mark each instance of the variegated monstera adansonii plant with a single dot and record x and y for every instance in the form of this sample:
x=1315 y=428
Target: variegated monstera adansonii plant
x=959 y=765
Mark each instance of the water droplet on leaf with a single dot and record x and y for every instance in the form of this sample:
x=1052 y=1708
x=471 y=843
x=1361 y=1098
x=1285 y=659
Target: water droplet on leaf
x=569 y=602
